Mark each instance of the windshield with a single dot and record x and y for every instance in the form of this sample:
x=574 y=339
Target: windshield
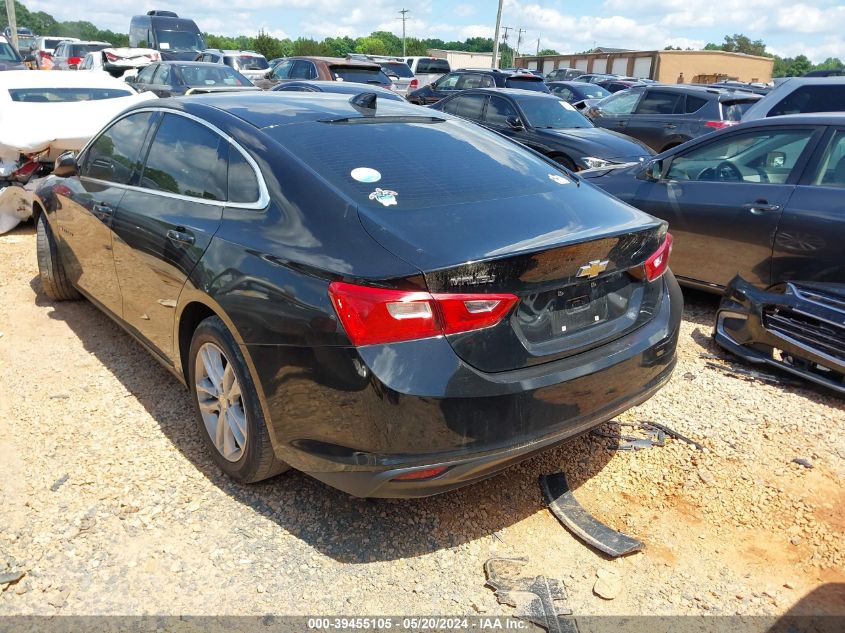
x=213 y=75
x=359 y=75
x=8 y=54
x=252 y=62
x=526 y=82
x=26 y=42
x=592 y=91
x=62 y=95
x=400 y=69
x=552 y=114
x=180 y=41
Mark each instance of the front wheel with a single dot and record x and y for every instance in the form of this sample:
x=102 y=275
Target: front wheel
x=229 y=415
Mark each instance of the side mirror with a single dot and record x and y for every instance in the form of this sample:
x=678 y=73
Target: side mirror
x=130 y=79
x=652 y=172
x=515 y=123
x=268 y=74
x=65 y=165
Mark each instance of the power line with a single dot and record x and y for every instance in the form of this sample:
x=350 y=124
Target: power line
x=403 y=18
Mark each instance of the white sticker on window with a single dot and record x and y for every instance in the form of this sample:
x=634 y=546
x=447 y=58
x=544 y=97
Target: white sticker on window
x=164 y=45
x=365 y=174
x=558 y=179
x=384 y=196
x=568 y=106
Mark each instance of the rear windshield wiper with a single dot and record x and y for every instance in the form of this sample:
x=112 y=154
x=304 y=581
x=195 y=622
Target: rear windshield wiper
x=385 y=119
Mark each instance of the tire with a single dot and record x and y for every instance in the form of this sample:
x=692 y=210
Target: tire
x=565 y=161
x=247 y=456
x=54 y=279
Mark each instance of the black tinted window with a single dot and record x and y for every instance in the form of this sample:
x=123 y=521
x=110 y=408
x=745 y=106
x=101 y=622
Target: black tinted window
x=526 y=83
x=116 y=152
x=303 y=70
x=733 y=110
x=657 y=102
x=243 y=186
x=187 y=158
x=282 y=69
x=694 y=104
x=499 y=110
x=433 y=66
x=359 y=75
x=400 y=69
x=471 y=106
x=146 y=75
x=451 y=106
x=812 y=99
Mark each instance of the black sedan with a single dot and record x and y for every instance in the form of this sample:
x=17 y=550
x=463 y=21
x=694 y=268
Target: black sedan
x=169 y=79
x=339 y=87
x=391 y=324
x=547 y=125
x=469 y=78
x=578 y=93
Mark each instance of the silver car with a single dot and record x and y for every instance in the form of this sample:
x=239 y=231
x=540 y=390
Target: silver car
x=427 y=70
x=401 y=75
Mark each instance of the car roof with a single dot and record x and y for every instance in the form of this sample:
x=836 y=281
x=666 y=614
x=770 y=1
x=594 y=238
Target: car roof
x=339 y=61
x=812 y=118
x=265 y=109
x=341 y=87
x=88 y=42
x=11 y=79
x=572 y=82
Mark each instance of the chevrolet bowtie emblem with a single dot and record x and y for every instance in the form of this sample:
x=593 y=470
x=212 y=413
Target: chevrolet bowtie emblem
x=592 y=269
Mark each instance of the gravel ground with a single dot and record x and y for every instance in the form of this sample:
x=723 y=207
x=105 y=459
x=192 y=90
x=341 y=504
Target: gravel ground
x=110 y=505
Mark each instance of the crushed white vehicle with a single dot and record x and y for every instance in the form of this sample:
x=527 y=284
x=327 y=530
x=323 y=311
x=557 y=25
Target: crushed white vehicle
x=43 y=114
x=119 y=62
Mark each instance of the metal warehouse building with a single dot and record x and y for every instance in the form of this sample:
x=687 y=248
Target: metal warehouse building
x=665 y=66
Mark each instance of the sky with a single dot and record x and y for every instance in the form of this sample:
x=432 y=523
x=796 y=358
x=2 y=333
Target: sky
x=788 y=27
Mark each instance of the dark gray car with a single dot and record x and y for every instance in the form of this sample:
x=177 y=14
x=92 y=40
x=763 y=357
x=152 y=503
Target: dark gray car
x=665 y=116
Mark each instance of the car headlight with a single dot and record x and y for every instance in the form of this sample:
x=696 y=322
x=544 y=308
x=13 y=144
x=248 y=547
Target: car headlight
x=597 y=163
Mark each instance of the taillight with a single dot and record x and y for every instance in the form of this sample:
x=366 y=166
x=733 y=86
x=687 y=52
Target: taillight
x=45 y=55
x=415 y=83
x=718 y=125
x=658 y=262
x=379 y=315
x=112 y=57
x=425 y=473
x=73 y=62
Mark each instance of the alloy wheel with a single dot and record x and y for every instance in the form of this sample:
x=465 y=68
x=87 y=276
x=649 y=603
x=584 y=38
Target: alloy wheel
x=220 y=402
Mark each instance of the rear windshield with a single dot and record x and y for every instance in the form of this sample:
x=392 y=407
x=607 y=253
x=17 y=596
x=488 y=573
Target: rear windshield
x=359 y=75
x=400 y=69
x=594 y=91
x=61 y=95
x=179 y=41
x=472 y=163
x=213 y=75
x=526 y=82
x=733 y=110
x=8 y=54
x=552 y=114
x=433 y=66
x=52 y=43
x=252 y=62
x=79 y=50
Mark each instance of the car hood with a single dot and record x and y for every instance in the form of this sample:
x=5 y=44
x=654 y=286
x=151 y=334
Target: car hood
x=601 y=143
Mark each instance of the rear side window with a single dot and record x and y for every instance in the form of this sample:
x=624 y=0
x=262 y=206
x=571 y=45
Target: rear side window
x=812 y=99
x=115 y=155
x=187 y=158
x=471 y=106
x=433 y=66
x=359 y=75
x=243 y=185
x=451 y=106
x=526 y=83
x=658 y=102
x=694 y=104
x=303 y=70
x=832 y=170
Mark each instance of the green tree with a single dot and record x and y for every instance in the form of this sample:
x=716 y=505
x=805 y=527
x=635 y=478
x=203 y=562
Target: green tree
x=738 y=43
x=268 y=45
x=340 y=46
x=370 y=46
x=548 y=51
x=308 y=46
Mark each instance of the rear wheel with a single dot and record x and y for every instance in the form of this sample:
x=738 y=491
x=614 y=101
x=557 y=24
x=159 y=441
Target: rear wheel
x=54 y=279
x=229 y=415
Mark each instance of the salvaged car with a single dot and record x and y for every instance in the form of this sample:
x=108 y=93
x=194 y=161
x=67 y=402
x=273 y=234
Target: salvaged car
x=799 y=328
x=119 y=62
x=393 y=325
x=43 y=114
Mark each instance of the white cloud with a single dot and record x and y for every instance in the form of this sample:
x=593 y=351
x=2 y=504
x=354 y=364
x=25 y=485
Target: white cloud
x=464 y=10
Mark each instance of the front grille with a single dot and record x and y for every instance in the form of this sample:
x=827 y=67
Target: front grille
x=821 y=336
x=837 y=302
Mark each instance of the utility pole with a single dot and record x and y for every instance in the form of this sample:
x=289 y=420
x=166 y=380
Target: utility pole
x=403 y=18
x=496 y=36
x=538 y=47
x=518 y=43
x=13 y=22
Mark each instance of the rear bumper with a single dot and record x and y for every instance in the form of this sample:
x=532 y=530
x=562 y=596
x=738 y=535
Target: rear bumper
x=807 y=330
x=358 y=418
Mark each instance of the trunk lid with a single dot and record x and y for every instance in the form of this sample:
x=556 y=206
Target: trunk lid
x=543 y=248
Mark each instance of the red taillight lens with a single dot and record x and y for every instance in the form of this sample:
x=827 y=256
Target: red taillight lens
x=45 y=55
x=379 y=315
x=415 y=83
x=657 y=264
x=718 y=125
x=112 y=57
x=426 y=473
x=74 y=61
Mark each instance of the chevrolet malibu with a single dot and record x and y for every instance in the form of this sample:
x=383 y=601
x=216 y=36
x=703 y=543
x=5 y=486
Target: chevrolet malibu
x=393 y=325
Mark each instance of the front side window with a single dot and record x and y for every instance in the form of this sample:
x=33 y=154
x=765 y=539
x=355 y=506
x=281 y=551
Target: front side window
x=499 y=111
x=162 y=77
x=282 y=69
x=115 y=155
x=660 y=102
x=187 y=158
x=146 y=75
x=832 y=168
x=620 y=103
x=759 y=157
x=469 y=80
x=450 y=106
x=448 y=82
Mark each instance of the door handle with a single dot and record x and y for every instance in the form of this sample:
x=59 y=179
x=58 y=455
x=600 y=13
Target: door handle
x=103 y=212
x=670 y=126
x=761 y=206
x=180 y=237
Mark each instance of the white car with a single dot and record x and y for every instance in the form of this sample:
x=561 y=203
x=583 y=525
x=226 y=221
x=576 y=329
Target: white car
x=43 y=115
x=119 y=62
x=45 y=46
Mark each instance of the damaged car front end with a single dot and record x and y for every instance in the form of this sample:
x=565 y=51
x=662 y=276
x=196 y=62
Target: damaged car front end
x=800 y=329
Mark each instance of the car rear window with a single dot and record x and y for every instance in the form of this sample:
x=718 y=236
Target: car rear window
x=252 y=62
x=52 y=43
x=433 y=66
x=805 y=99
x=61 y=95
x=359 y=75
x=400 y=69
x=526 y=82
x=733 y=110
x=472 y=163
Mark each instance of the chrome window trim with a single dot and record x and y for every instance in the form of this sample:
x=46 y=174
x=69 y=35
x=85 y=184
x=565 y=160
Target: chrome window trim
x=263 y=193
